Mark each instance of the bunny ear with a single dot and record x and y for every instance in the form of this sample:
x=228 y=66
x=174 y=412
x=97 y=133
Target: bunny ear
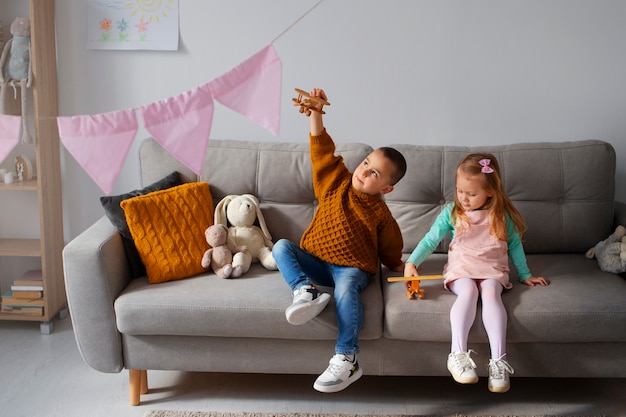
x=220 y=210
x=260 y=218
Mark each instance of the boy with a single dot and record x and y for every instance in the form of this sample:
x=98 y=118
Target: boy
x=351 y=231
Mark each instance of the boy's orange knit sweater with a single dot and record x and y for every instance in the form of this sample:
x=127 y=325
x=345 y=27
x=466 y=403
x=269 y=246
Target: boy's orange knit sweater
x=349 y=228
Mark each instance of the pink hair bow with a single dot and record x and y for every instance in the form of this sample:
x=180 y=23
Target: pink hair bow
x=486 y=169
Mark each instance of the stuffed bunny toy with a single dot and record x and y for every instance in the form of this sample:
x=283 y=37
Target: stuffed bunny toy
x=611 y=252
x=15 y=66
x=220 y=256
x=241 y=212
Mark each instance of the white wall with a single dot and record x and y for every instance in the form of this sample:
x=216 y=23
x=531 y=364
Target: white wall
x=403 y=71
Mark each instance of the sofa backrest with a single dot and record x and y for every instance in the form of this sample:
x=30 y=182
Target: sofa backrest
x=278 y=174
x=565 y=191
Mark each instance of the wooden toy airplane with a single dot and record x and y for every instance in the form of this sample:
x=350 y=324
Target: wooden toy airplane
x=413 y=289
x=309 y=103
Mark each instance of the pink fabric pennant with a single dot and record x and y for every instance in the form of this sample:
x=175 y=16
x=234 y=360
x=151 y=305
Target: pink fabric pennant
x=9 y=134
x=182 y=125
x=100 y=143
x=253 y=89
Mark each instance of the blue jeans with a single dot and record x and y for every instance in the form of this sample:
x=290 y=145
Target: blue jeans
x=299 y=268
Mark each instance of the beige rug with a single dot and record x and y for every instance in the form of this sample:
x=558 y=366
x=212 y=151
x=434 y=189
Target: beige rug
x=165 y=413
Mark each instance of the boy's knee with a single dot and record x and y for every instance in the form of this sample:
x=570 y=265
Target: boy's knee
x=280 y=245
x=281 y=248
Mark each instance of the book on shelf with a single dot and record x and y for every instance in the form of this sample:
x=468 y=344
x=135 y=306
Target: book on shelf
x=26 y=287
x=27 y=294
x=31 y=278
x=22 y=283
x=8 y=298
x=24 y=310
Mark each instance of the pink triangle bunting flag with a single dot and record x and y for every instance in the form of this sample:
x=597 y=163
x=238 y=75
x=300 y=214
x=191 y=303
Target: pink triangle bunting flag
x=100 y=143
x=182 y=125
x=253 y=89
x=9 y=134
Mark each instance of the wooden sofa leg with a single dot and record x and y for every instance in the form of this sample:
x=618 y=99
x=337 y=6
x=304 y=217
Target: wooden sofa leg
x=138 y=385
x=144 y=382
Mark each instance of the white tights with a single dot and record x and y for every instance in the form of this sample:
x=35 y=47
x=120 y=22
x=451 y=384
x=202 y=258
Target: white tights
x=463 y=313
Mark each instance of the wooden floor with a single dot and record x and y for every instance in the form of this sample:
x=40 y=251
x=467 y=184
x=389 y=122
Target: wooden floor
x=45 y=376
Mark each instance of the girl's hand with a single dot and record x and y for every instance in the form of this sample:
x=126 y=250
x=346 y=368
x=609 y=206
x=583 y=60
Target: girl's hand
x=532 y=281
x=410 y=270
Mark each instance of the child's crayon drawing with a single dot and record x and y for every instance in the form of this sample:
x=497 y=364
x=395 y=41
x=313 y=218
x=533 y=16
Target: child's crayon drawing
x=132 y=24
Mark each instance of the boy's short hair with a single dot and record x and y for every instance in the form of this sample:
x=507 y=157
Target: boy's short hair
x=397 y=159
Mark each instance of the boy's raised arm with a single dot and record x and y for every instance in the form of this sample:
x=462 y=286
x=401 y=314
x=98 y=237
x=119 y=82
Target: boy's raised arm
x=317 y=124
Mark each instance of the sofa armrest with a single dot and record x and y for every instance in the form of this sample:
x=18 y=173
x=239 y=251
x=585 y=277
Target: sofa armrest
x=620 y=214
x=96 y=271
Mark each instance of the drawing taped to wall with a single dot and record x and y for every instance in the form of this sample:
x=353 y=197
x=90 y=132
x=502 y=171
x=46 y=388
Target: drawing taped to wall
x=132 y=24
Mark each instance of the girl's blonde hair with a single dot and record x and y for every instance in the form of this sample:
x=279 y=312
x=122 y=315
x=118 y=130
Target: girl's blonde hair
x=485 y=166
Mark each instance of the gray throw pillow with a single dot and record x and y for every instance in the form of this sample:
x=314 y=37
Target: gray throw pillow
x=116 y=215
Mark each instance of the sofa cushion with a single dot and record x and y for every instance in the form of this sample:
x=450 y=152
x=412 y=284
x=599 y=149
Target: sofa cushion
x=116 y=215
x=251 y=306
x=565 y=191
x=565 y=311
x=168 y=229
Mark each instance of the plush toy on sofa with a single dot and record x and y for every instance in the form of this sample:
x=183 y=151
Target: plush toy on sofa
x=15 y=66
x=220 y=256
x=611 y=252
x=242 y=212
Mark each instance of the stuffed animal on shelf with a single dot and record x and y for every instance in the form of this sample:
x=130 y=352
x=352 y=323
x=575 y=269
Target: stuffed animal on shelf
x=240 y=213
x=15 y=66
x=611 y=252
x=220 y=256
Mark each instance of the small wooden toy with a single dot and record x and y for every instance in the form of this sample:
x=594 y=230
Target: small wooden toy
x=413 y=289
x=309 y=103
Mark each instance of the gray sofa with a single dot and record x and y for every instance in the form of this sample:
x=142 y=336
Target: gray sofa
x=576 y=327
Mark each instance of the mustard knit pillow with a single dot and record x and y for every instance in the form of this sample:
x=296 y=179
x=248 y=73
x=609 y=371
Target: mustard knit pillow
x=168 y=229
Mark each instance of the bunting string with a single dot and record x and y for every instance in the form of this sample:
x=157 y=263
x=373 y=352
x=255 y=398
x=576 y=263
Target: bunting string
x=297 y=21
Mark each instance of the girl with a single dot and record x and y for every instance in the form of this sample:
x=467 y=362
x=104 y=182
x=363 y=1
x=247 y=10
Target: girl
x=485 y=231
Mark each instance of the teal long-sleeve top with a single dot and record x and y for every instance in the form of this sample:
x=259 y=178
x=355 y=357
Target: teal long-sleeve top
x=443 y=225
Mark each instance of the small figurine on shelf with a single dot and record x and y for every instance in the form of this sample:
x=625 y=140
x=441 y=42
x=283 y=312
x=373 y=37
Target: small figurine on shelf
x=23 y=168
x=20 y=171
x=15 y=66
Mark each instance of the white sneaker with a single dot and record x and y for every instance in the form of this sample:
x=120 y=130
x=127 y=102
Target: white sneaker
x=461 y=366
x=308 y=302
x=340 y=373
x=499 y=371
